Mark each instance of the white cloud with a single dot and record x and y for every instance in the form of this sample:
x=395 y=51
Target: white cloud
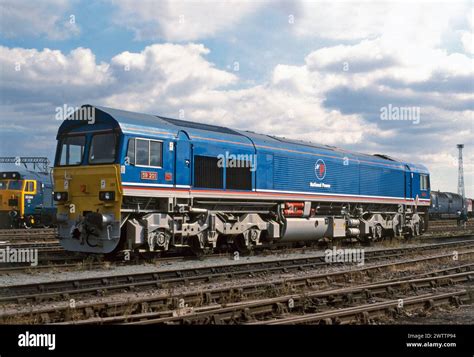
x=467 y=37
x=50 y=18
x=161 y=74
x=179 y=20
x=33 y=70
x=400 y=23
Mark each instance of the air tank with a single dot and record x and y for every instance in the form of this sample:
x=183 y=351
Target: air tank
x=301 y=229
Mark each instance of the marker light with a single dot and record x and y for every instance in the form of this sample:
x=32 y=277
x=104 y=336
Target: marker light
x=107 y=195
x=60 y=196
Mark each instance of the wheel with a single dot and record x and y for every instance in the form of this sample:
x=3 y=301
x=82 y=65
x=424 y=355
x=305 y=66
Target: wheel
x=377 y=232
x=195 y=246
x=240 y=244
x=29 y=222
x=416 y=229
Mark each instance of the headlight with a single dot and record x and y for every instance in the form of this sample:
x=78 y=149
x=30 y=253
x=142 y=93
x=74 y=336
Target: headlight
x=107 y=195
x=60 y=196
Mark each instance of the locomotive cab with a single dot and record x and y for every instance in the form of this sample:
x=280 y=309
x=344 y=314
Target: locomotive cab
x=87 y=187
x=93 y=165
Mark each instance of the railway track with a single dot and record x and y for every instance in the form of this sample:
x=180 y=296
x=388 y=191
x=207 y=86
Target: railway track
x=449 y=226
x=31 y=239
x=34 y=233
x=448 y=222
x=64 y=289
x=40 y=238
x=368 y=312
x=47 y=234
x=306 y=303
x=52 y=256
x=31 y=245
x=164 y=307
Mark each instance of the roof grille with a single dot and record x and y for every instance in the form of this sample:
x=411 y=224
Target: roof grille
x=193 y=125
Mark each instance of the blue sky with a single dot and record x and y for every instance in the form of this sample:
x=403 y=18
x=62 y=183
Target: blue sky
x=317 y=71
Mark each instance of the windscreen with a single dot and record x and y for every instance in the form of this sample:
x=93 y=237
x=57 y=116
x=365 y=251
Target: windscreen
x=102 y=149
x=15 y=185
x=71 y=150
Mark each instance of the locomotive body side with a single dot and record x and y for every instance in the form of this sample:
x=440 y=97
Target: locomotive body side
x=171 y=183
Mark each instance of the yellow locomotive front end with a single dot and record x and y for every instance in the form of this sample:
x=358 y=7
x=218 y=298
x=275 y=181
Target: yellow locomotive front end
x=11 y=200
x=88 y=201
x=87 y=187
x=17 y=200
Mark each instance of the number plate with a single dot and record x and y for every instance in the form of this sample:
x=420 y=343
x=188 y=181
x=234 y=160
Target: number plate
x=149 y=175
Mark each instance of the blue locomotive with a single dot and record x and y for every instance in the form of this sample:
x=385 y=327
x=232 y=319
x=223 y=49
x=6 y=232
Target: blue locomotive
x=26 y=199
x=126 y=180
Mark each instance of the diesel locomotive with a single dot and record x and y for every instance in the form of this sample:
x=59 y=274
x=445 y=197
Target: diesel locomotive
x=26 y=199
x=130 y=181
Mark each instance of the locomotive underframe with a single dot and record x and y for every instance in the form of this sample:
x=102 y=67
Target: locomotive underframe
x=162 y=223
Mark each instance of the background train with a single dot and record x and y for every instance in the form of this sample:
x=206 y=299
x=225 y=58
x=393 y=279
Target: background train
x=446 y=205
x=142 y=182
x=26 y=199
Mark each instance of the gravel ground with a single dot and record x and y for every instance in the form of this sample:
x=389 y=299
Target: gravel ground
x=449 y=315
x=46 y=276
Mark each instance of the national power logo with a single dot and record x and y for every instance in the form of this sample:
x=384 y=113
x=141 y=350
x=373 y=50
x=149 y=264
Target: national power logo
x=320 y=169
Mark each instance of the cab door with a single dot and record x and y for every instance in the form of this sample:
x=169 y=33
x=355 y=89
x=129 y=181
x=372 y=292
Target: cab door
x=408 y=182
x=183 y=161
x=29 y=196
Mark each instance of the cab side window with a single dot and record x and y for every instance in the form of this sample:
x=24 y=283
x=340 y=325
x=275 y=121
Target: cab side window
x=30 y=186
x=145 y=152
x=142 y=152
x=424 y=183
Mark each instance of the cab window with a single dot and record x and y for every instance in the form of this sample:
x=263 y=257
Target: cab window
x=424 y=183
x=3 y=185
x=71 y=150
x=15 y=185
x=102 y=149
x=145 y=152
x=30 y=186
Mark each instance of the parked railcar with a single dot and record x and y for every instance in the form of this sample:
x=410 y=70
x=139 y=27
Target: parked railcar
x=445 y=205
x=134 y=181
x=26 y=199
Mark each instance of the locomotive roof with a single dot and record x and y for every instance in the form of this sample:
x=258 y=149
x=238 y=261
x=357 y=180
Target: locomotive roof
x=131 y=122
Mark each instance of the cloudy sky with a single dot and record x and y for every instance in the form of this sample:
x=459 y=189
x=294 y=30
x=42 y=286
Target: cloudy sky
x=318 y=71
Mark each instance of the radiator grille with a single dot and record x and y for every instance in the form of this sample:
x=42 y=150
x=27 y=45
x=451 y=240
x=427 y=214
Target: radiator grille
x=240 y=177
x=206 y=172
